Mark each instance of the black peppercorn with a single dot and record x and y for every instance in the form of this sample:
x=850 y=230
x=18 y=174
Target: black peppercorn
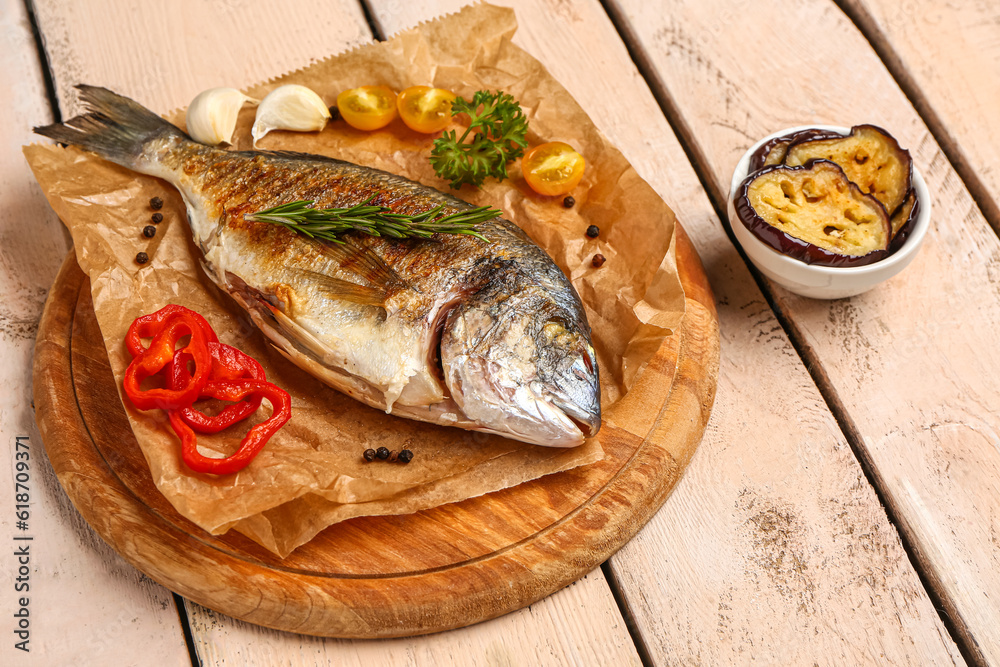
x=405 y=456
x=393 y=456
x=156 y=203
x=157 y=218
x=141 y=258
x=382 y=453
x=568 y=202
x=334 y=114
x=149 y=231
x=593 y=231
x=598 y=261
x=369 y=455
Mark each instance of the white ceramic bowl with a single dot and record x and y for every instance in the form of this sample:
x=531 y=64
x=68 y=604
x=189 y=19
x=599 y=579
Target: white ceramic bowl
x=825 y=282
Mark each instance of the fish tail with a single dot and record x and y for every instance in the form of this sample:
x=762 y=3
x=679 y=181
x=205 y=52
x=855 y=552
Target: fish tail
x=114 y=127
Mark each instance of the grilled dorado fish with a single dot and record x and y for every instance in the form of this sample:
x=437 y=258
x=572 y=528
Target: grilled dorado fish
x=452 y=330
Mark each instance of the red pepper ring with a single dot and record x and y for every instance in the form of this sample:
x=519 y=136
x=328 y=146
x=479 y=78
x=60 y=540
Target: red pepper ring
x=228 y=363
x=255 y=439
x=148 y=326
x=158 y=356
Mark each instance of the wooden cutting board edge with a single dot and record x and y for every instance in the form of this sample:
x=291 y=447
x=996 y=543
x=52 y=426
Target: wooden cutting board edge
x=368 y=607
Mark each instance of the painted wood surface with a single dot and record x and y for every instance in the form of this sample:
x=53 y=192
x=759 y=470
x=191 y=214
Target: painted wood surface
x=911 y=367
x=165 y=58
x=773 y=549
x=694 y=620
x=84 y=602
x=949 y=56
x=579 y=625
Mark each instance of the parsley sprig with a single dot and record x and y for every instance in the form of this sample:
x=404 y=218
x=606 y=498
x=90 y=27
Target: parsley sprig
x=497 y=128
x=329 y=223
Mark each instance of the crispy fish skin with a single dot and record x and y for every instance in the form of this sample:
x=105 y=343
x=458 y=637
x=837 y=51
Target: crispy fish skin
x=451 y=330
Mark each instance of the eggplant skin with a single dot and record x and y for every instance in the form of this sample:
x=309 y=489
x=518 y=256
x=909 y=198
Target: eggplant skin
x=800 y=249
x=773 y=152
x=871 y=158
x=904 y=221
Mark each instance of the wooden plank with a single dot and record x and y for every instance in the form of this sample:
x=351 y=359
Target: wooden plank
x=946 y=57
x=580 y=624
x=773 y=548
x=167 y=54
x=911 y=366
x=92 y=604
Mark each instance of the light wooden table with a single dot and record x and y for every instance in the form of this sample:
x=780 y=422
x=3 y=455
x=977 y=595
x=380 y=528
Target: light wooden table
x=844 y=506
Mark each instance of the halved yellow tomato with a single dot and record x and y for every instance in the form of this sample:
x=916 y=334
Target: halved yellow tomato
x=553 y=168
x=367 y=107
x=425 y=109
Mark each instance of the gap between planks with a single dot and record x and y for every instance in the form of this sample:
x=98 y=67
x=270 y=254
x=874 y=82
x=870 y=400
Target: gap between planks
x=43 y=60
x=945 y=606
x=378 y=32
x=185 y=622
x=870 y=30
x=626 y=612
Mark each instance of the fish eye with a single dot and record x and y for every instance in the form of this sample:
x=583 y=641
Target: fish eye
x=554 y=328
x=555 y=325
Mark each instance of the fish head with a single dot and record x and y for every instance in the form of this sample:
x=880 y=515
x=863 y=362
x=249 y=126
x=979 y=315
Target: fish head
x=524 y=367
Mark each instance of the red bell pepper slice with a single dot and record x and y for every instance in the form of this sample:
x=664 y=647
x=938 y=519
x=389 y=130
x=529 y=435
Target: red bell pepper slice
x=158 y=356
x=255 y=439
x=148 y=326
x=228 y=363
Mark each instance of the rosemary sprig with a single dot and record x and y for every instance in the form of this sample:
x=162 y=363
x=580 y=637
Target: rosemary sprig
x=328 y=223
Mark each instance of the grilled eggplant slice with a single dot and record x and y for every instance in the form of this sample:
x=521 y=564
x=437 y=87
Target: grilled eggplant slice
x=773 y=152
x=869 y=156
x=815 y=214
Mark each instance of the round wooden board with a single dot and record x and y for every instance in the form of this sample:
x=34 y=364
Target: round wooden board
x=443 y=568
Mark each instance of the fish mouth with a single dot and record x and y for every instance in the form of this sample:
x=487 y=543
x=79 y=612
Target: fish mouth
x=575 y=390
x=588 y=421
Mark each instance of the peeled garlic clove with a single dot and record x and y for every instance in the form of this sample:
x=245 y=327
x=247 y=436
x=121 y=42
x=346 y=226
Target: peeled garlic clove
x=211 y=118
x=290 y=107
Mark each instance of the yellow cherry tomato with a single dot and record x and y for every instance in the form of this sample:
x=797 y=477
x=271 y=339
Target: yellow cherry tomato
x=367 y=107
x=425 y=109
x=553 y=168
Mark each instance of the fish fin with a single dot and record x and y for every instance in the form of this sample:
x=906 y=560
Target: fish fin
x=264 y=313
x=294 y=155
x=114 y=127
x=299 y=336
x=363 y=263
x=344 y=290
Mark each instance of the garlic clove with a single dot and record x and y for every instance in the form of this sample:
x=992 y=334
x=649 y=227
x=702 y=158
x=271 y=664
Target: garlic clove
x=290 y=107
x=211 y=117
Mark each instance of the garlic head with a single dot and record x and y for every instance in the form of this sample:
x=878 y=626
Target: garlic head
x=290 y=107
x=211 y=117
